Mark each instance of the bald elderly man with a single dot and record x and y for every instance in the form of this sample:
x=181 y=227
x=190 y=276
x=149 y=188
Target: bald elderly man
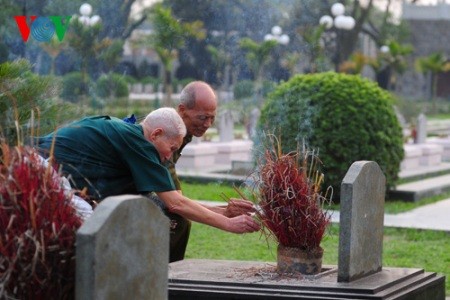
x=198 y=108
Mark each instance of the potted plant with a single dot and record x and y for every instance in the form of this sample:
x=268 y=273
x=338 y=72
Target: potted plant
x=291 y=206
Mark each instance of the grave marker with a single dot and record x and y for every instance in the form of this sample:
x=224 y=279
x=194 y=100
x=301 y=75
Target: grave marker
x=361 y=221
x=421 y=129
x=123 y=251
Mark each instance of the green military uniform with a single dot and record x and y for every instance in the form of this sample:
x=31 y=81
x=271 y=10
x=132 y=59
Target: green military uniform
x=108 y=157
x=179 y=234
x=111 y=157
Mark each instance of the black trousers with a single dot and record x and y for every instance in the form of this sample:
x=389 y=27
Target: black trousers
x=180 y=229
x=179 y=236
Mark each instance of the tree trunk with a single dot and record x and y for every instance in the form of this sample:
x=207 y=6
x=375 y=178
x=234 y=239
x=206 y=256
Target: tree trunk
x=167 y=82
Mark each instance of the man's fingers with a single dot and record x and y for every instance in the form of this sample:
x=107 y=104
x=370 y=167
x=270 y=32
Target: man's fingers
x=250 y=224
x=241 y=204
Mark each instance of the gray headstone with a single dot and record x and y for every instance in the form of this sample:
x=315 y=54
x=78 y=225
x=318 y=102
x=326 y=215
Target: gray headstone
x=226 y=126
x=254 y=117
x=361 y=221
x=421 y=129
x=123 y=251
x=148 y=88
x=226 y=120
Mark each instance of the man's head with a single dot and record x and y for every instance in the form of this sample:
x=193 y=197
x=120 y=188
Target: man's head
x=165 y=129
x=197 y=107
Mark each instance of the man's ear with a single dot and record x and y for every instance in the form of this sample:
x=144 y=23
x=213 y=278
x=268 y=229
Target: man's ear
x=181 y=109
x=156 y=133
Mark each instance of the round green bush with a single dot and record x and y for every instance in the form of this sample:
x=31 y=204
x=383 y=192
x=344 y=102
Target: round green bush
x=112 y=85
x=246 y=88
x=73 y=86
x=345 y=117
x=243 y=89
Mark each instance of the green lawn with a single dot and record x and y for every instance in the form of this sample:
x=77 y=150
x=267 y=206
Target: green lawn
x=409 y=248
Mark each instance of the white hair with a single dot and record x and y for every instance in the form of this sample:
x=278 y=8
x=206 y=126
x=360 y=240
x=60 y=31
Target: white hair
x=166 y=118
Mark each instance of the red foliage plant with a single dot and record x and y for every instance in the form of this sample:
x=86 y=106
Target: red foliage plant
x=288 y=194
x=38 y=229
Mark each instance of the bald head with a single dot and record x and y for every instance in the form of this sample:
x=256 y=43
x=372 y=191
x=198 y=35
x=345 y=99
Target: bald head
x=197 y=107
x=197 y=91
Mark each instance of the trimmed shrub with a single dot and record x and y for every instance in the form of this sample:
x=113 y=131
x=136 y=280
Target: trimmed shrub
x=243 y=89
x=112 y=85
x=246 y=88
x=73 y=87
x=345 y=117
x=151 y=80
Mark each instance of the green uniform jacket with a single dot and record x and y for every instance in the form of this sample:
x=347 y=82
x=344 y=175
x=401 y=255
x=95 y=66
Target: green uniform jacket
x=176 y=155
x=108 y=156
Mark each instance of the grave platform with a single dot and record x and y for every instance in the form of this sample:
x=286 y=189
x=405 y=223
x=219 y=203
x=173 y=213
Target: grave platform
x=223 y=279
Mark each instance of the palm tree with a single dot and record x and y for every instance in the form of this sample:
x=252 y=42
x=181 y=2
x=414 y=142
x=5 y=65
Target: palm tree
x=258 y=56
x=355 y=64
x=168 y=37
x=433 y=65
x=86 y=42
x=53 y=48
x=315 y=50
x=391 y=62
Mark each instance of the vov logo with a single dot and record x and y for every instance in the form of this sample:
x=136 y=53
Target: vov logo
x=42 y=29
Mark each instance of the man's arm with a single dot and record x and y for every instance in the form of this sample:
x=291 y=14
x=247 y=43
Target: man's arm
x=178 y=204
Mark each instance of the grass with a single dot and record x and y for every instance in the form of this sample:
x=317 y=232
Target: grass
x=409 y=248
x=209 y=191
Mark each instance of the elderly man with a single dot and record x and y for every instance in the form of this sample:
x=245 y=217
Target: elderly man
x=197 y=108
x=107 y=156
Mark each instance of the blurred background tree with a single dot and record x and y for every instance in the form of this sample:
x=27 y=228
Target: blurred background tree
x=432 y=65
x=28 y=103
x=168 y=37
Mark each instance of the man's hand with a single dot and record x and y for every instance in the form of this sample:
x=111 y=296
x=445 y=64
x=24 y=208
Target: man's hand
x=237 y=207
x=242 y=224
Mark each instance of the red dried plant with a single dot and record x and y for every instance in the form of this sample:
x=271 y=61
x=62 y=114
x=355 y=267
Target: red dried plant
x=38 y=229
x=288 y=193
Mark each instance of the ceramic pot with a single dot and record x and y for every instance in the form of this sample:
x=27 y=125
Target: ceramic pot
x=291 y=260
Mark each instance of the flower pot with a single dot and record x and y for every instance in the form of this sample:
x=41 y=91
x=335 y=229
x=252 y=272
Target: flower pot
x=291 y=260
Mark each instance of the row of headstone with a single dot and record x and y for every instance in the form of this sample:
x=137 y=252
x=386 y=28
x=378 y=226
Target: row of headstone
x=227 y=118
x=149 y=88
x=417 y=129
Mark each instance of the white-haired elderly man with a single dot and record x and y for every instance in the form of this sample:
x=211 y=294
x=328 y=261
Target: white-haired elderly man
x=106 y=156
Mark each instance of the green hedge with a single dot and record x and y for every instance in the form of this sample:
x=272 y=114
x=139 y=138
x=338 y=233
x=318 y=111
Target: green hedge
x=112 y=85
x=73 y=87
x=345 y=117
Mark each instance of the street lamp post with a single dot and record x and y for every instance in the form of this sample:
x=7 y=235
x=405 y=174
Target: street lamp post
x=86 y=19
x=383 y=73
x=341 y=22
x=277 y=35
x=86 y=34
